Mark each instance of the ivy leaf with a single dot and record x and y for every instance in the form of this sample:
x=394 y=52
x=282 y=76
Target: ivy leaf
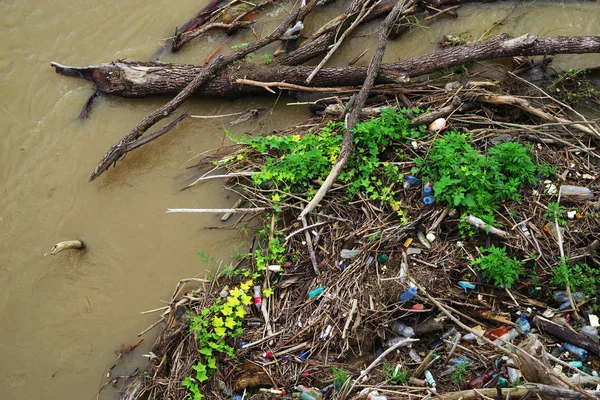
x=213 y=345
x=211 y=363
x=201 y=375
x=207 y=351
x=267 y=293
x=240 y=312
x=233 y=301
x=217 y=322
x=235 y=293
x=246 y=300
x=220 y=331
x=226 y=310
x=246 y=285
x=230 y=323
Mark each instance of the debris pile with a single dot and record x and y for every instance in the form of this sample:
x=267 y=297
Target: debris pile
x=453 y=258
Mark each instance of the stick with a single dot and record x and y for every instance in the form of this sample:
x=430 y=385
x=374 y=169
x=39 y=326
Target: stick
x=217 y=210
x=238 y=203
x=272 y=335
x=309 y=246
x=478 y=223
x=288 y=237
x=206 y=178
x=66 y=245
x=349 y=319
x=283 y=85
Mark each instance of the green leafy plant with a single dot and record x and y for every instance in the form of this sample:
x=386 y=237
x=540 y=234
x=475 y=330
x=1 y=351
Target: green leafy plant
x=267 y=59
x=556 y=212
x=463 y=177
x=459 y=374
x=497 y=267
x=239 y=46
x=293 y=163
x=580 y=277
x=573 y=87
x=340 y=376
x=395 y=376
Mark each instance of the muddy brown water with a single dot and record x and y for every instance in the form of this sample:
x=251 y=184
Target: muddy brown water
x=64 y=316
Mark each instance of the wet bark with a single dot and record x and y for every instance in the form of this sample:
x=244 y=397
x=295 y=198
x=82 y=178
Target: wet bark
x=149 y=79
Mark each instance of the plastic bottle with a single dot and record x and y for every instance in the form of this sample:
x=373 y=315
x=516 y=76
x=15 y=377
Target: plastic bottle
x=411 y=180
x=309 y=393
x=254 y=324
x=561 y=296
x=274 y=268
x=579 y=191
x=466 y=285
x=576 y=364
x=576 y=351
x=407 y=294
x=523 y=326
x=496 y=332
x=429 y=379
x=346 y=253
x=393 y=341
x=415 y=356
x=403 y=329
x=317 y=291
x=507 y=337
x=304 y=354
x=257 y=297
x=513 y=373
x=296 y=28
x=326 y=332
x=460 y=361
x=590 y=332
x=382 y=259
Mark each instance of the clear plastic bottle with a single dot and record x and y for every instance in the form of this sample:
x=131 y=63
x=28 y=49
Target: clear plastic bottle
x=590 y=332
x=579 y=191
x=513 y=373
x=415 y=356
x=403 y=329
x=507 y=337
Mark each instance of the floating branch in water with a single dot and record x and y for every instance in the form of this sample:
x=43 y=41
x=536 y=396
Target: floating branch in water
x=66 y=245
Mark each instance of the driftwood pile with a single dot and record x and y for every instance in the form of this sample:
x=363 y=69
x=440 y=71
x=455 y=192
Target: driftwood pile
x=298 y=334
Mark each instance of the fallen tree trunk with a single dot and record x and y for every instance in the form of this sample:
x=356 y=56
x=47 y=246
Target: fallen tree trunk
x=148 y=79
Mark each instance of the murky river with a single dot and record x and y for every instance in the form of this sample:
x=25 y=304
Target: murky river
x=63 y=317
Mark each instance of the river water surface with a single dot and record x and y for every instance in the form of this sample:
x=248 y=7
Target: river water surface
x=63 y=317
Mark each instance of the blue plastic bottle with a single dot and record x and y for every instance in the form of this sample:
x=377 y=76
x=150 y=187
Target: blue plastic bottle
x=576 y=351
x=412 y=180
x=407 y=294
x=427 y=194
x=523 y=325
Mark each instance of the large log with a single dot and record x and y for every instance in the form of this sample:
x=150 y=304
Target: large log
x=147 y=79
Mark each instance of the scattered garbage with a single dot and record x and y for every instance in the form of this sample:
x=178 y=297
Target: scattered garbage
x=317 y=291
x=466 y=285
x=438 y=125
x=402 y=329
x=576 y=191
x=408 y=294
x=410 y=181
x=576 y=351
x=257 y=297
x=345 y=253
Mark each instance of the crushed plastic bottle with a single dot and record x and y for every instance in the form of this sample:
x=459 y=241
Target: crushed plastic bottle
x=523 y=326
x=326 y=332
x=274 y=268
x=590 y=332
x=561 y=296
x=513 y=373
x=407 y=294
x=309 y=393
x=346 y=253
x=415 y=356
x=382 y=259
x=576 y=351
x=576 y=191
x=317 y=291
x=394 y=341
x=295 y=29
x=466 y=285
x=403 y=329
x=410 y=180
x=460 y=361
x=507 y=337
